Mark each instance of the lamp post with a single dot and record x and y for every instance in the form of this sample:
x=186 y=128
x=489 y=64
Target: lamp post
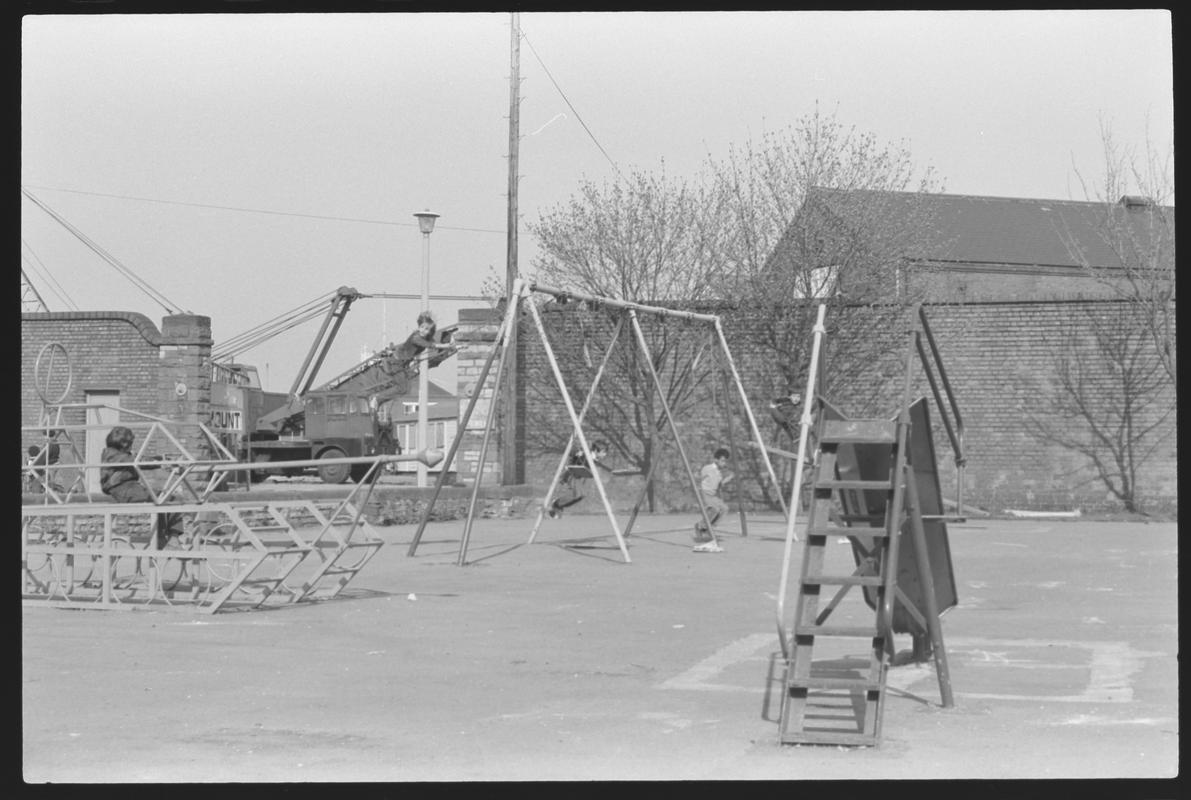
x=426 y=226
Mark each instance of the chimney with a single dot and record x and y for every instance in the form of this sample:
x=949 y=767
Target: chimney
x=1136 y=201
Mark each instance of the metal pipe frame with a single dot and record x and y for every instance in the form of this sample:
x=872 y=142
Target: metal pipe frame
x=462 y=430
x=791 y=519
x=582 y=414
x=578 y=426
x=236 y=555
x=505 y=334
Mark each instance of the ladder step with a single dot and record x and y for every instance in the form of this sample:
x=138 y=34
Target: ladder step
x=859 y=431
x=875 y=520
x=854 y=484
x=836 y=630
x=825 y=737
x=877 y=533
x=863 y=684
x=844 y=580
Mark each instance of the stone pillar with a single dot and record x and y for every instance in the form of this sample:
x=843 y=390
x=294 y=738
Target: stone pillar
x=478 y=328
x=184 y=380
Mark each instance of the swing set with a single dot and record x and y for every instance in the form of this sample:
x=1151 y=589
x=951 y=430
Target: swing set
x=628 y=315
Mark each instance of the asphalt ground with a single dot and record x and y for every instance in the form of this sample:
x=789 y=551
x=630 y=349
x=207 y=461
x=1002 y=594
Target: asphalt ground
x=555 y=662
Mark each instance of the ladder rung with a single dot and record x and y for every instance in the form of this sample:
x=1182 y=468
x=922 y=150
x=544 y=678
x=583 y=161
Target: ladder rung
x=876 y=520
x=859 y=431
x=837 y=531
x=836 y=630
x=863 y=684
x=812 y=737
x=853 y=484
x=845 y=580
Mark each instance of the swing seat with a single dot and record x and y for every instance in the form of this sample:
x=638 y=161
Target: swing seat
x=578 y=472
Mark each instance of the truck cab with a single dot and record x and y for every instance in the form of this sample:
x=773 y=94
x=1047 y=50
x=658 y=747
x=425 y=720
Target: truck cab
x=343 y=424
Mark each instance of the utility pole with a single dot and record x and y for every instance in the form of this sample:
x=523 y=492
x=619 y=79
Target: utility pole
x=510 y=447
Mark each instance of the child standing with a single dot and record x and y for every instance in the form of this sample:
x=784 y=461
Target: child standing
x=713 y=477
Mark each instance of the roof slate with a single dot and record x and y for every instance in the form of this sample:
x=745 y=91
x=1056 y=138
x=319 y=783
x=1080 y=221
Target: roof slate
x=1001 y=230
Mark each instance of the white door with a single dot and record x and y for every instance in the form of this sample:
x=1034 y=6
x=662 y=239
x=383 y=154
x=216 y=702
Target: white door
x=106 y=417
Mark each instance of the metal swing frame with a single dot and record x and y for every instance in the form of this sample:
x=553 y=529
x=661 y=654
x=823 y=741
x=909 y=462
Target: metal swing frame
x=631 y=311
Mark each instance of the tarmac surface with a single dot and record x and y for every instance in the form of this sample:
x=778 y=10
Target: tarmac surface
x=554 y=662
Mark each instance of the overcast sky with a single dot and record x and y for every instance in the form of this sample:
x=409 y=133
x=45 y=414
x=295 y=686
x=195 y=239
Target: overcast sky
x=245 y=164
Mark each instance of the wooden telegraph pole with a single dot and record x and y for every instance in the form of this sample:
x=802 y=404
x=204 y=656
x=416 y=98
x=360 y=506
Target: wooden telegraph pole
x=511 y=468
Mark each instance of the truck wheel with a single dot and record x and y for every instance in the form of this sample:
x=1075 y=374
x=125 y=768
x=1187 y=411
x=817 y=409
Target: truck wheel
x=334 y=473
x=358 y=471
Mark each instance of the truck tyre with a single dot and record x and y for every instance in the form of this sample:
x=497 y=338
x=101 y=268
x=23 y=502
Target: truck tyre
x=334 y=473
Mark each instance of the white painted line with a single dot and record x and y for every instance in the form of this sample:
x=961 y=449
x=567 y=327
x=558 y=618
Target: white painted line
x=699 y=677
x=1110 y=667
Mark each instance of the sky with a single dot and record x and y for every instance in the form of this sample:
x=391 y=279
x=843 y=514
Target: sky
x=244 y=165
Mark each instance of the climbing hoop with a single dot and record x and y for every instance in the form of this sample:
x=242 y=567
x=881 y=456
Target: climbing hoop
x=44 y=372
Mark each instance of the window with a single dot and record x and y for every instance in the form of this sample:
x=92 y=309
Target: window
x=336 y=404
x=819 y=282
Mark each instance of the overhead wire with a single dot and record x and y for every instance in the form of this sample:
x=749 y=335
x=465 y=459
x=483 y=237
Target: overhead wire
x=114 y=262
x=571 y=106
x=41 y=271
x=266 y=211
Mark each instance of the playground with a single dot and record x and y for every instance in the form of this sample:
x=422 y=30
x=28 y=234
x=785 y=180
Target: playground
x=559 y=661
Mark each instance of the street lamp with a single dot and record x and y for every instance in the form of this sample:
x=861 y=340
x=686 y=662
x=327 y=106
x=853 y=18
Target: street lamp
x=426 y=226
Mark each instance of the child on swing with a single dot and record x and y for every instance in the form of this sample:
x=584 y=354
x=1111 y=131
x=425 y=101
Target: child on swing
x=577 y=469
x=712 y=479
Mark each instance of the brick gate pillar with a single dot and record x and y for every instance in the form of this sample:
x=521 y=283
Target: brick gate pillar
x=478 y=328
x=184 y=380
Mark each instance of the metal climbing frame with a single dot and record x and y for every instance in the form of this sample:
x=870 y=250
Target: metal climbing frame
x=79 y=553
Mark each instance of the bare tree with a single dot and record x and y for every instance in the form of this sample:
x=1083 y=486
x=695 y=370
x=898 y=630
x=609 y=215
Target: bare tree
x=816 y=211
x=1108 y=397
x=821 y=212
x=1131 y=251
x=649 y=239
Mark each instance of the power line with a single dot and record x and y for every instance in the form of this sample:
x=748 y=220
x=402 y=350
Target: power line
x=570 y=106
x=136 y=280
x=265 y=211
x=38 y=267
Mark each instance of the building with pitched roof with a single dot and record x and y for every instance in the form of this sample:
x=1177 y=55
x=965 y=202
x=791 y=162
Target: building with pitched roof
x=970 y=247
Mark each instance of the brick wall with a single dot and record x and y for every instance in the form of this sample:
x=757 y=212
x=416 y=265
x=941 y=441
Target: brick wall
x=164 y=373
x=992 y=353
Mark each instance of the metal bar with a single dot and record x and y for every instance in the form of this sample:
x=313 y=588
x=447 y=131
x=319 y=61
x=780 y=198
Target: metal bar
x=566 y=453
x=566 y=396
x=501 y=343
x=805 y=424
x=653 y=465
x=461 y=431
x=748 y=411
x=957 y=438
x=657 y=383
x=926 y=578
x=744 y=529
x=625 y=304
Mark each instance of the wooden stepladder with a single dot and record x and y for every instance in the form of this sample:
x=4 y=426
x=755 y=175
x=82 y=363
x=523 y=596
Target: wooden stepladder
x=865 y=492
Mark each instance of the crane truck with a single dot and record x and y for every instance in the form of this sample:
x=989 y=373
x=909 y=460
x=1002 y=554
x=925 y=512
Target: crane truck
x=343 y=417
